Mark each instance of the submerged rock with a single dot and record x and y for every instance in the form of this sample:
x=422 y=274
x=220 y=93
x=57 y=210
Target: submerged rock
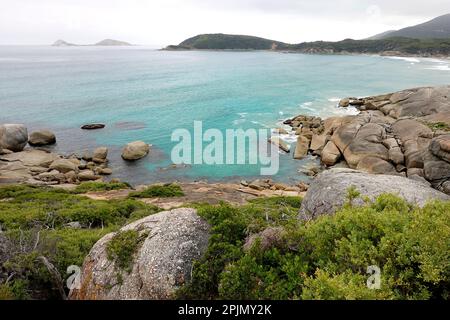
x=328 y=192
x=162 y=263
x=280 y=143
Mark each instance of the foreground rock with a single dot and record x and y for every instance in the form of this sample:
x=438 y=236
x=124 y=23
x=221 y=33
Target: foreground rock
x=42 y=138
x=13 y=137
x=135 y=150
x=163 y=263
x=328 y=192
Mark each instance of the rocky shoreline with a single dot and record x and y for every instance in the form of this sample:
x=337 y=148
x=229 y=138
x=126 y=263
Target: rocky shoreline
x=405 y=133
x=24 y=159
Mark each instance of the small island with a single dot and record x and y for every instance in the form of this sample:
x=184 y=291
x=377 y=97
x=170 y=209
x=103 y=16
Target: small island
x=106 y=42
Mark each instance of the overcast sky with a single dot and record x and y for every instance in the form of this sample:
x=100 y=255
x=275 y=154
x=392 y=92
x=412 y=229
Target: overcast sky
x=162 y=22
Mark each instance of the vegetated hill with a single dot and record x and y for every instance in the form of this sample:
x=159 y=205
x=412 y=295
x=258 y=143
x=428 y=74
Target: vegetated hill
x=391 y=46
x=438 y=28
x=229 y=42
x=106 y=42
x=382 y=35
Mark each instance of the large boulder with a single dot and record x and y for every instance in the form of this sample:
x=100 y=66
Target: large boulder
x=440 y=147
x=280 y=143
x=330 y=154
x=64 y=165
x=100 y=155
x=328 y=192
x=42 y=138
x=302 y=147
x=431 y=103
x=135 y=150
x=13 y=137
x=163 y=262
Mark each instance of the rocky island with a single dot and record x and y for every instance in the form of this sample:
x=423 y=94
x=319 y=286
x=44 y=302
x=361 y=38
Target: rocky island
x=106 y=42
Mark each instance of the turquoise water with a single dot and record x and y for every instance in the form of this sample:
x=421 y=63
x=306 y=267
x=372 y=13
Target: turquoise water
x=143 y=94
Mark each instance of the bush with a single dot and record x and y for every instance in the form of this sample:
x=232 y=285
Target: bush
x=159 y=191
x=100 y=186
x=34 y=223
x=328 y=258
x=122 y=247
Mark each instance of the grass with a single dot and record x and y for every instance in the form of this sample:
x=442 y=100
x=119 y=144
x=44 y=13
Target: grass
x=159 y=191
x=438 y=126
x=100 y=186
x=30 y=215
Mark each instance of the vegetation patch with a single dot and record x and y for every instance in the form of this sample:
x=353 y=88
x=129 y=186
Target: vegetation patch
x=100 y=186
x=327 y=258
x=36 y=221
x=159 y=191
x=123 y=246
x=438 y=126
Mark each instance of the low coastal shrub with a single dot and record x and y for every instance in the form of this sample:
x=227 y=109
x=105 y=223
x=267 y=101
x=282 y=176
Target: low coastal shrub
x=123 y=246
x=100 y=186
x=328 y=258
x=36 y=221
x=159 y=191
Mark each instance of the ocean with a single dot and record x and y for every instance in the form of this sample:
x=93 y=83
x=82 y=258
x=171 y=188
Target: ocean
x=144 y=94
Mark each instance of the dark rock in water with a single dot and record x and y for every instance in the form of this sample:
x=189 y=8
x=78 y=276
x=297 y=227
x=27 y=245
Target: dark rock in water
x=93 y=126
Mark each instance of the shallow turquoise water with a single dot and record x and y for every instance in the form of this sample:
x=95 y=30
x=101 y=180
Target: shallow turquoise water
x=143 y=94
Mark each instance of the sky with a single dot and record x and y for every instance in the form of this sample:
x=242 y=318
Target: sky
x=159 y=23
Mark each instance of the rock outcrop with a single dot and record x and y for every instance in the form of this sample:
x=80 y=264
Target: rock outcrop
x=135 y=150
x=328 y=192
x=405 y=133
x=40 y=167
x=13 y=137
x=172 y=241
x=42 y=138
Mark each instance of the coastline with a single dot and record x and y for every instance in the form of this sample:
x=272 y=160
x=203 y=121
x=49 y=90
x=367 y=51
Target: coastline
x=325 y=53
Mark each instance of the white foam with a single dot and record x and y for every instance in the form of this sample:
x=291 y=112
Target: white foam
x=407 y=59
x=440 y=68
x=334 y=99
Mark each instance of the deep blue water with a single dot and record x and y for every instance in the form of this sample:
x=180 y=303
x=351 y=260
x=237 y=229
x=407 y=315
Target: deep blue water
x=144 y=94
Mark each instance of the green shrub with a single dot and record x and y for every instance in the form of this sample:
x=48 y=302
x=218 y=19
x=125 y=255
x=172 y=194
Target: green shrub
x=123 y=246
x=51 y=208
x=328 y=258
x=100 y=186
x=159 y=191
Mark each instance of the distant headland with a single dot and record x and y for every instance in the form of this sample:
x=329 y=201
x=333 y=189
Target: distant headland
x=430 y=39
x=106 y=42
